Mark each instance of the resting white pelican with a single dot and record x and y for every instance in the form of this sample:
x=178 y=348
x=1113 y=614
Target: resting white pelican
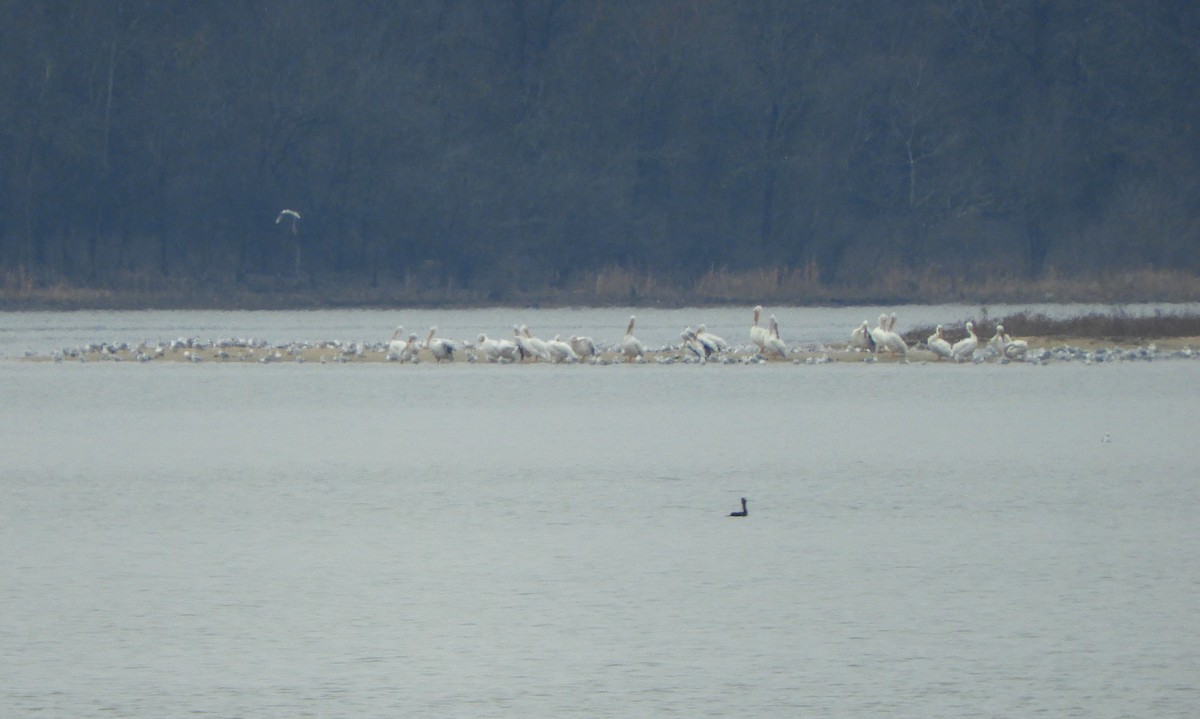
x=1013 y=349
x=630 y=346
x=561 y=351
x=965 y=348
x=937 y=344
x=692 y=343
x=495 y=350
x=709 y=338
x=583 y=346
x=440 y=348
x=861 y=339
x=395 y=345
x=411 y=348
x=758 y=335
x=774 y=343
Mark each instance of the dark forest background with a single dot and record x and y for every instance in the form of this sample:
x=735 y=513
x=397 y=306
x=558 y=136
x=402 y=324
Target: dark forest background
x=492 y=150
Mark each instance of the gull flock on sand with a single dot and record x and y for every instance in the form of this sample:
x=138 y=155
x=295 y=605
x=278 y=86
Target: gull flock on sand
x=760 y=345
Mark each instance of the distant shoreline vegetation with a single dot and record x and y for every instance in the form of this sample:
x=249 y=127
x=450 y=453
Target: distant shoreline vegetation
x=1113 y=327
x=612 y=286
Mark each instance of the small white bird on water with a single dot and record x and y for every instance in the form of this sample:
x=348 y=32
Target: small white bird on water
x=289 y=213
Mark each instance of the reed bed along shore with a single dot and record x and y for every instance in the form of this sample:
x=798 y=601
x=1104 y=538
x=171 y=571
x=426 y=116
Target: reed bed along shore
x=614 y=286
x=1092 y=328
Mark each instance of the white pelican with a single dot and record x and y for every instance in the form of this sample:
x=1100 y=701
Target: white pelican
x=395 y=345
x=861 y=339
x=537 y=347
x=561 y=351
x=440 y=348
x=524 y=349
x=996 y=343
x=295 y=216
x=630 y=346
x=937 y=344
x=495 y=350
x=758 y=335
x=1013 y=349
x=409 y=353
x=878 y=333
x=692 y=343
x=709 y=338
x=965 y=348
x=583 y=346
x=774 y=343
x=892 y=341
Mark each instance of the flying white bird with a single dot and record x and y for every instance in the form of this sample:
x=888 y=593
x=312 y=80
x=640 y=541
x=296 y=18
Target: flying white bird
x=289 y=213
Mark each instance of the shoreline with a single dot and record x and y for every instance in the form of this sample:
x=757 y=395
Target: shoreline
x=1042 y=350
x=604 y=287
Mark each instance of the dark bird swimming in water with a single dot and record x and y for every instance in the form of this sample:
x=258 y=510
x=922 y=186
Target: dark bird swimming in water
x=742 y=513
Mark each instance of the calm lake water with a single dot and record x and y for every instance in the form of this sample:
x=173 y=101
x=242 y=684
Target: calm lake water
x=476 y=540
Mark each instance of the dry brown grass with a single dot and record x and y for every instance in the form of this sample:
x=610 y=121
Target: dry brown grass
x=1117 y=328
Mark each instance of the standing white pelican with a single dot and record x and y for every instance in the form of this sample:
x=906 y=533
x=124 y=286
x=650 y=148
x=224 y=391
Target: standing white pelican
x=630 y=346
x=709 y=338
x=561 y=351
x=583 y=346
x=937 y=344
x=878 y=333
x=395 y=345
x=996 y=343
x=524 y=349
x=758 y=335
x=295 y=217
x=965 y=348
x=440 y=348
x=537 y=347
x=861 y=339
x=774 y=343
x=892 y=341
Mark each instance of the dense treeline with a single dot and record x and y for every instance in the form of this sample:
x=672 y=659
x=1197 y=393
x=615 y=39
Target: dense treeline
x=504 y=145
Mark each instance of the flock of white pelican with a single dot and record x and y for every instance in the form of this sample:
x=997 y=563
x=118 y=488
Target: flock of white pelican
x=694 y=346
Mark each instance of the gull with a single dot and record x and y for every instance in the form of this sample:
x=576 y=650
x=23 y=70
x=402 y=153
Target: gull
x=289 y=213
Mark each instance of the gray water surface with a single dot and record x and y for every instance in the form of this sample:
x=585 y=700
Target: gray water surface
x=473 y=540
